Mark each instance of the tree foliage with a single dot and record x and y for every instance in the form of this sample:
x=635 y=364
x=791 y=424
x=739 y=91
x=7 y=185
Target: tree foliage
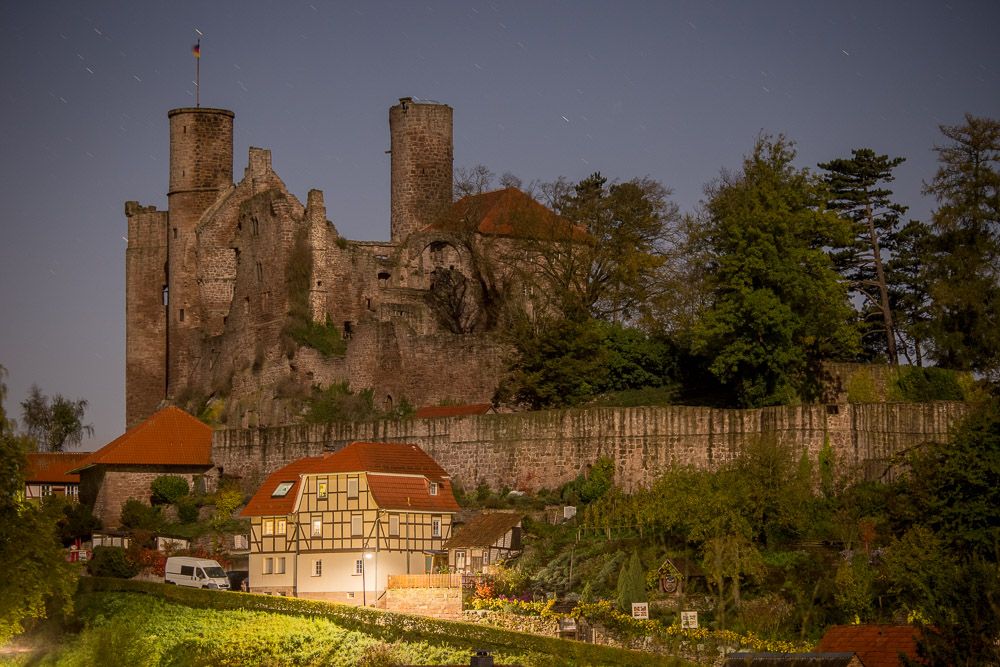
x=168 y=489
x=856 y=189
x=631 y=584
x=37 y=581
x=55 y=424
x=964 y=309
x=776 y=302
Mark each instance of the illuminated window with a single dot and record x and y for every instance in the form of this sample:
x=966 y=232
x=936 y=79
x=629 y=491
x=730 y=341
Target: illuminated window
x=394 y=524
x=356 y=525
x=268 y=527
x=317 y=529
x=281 y=527
x=352 y=487
x=321 y=490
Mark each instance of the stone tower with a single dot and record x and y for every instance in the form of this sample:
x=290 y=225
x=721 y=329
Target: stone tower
x=201 y=168
x=422 y=155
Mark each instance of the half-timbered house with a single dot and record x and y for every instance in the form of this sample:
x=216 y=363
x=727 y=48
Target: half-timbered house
x=333 y=527
x=484 y=542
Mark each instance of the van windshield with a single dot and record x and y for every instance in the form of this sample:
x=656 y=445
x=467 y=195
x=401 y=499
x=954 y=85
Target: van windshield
x=215 y=572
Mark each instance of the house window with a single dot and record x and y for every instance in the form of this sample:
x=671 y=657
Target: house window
x=459 y=560
x=268 y=527
x=268 y=565
x=317 y=569
x=359 y=566
x=281 y=565
x=46 y=490
x=282 y=489
x=436 y=527
x=434 y=488
x=317 y=530
x=352 y=487
x=356 y=525
x=281 y=527
x=394 y=524
x=321 y=490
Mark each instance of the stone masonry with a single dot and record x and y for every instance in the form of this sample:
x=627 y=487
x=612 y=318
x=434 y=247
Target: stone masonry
x=529 y=451
x=106 y=487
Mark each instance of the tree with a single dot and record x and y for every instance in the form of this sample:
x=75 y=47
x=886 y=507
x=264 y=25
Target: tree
x=37 y=580
x=855 y=190
x=964 y=321
x=776 y=302
x=614 y=272
x=168 y=489
x=55 y=424
x=631 y=584
x=909 y=289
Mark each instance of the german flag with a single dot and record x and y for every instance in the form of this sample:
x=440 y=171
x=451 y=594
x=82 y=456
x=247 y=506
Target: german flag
x=196 y=50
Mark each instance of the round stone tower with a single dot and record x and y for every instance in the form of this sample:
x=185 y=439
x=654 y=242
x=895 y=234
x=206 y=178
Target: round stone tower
x=422 y=155
x=201 y=166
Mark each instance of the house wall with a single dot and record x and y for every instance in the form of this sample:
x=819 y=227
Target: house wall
x=107 y=487
x=545 y=449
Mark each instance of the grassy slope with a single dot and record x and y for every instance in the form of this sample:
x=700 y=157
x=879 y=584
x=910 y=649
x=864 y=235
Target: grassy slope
x=133 y=623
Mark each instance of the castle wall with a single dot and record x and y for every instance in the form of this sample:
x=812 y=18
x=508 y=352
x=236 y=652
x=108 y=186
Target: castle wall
x=106 y=487
x=545 y=449
x=145 y=313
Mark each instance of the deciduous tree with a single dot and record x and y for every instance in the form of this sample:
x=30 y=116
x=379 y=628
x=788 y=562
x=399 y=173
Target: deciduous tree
x=776 y=302
x=55 y=424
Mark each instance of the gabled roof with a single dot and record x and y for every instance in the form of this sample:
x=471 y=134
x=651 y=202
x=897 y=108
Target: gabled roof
x=793 y=660
x=452 y=410
x=397 y=477
x=169 y=437
x=392 y=492
x=381 y=457
x=682 y=566
x=509 y=212
x=484 y=530
x=876 y=645
x=53 y=467
x=262 y=504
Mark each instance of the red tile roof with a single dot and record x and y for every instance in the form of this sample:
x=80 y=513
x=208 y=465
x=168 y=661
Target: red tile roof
x=484 y=530
x=509 y=212
x=169 y=437
x=404 y=470
x=381 y=457
x=452 y=410
x=52 y=467
x=876 y=645
x=393 y=492
x=262 y=504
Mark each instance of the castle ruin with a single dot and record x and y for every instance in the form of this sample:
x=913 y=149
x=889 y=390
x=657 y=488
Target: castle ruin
x=210 y=282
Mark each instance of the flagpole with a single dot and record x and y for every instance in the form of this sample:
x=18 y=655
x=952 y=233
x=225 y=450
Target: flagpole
x=197 y=83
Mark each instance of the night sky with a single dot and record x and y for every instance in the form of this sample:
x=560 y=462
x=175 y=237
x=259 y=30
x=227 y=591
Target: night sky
x=672 y=90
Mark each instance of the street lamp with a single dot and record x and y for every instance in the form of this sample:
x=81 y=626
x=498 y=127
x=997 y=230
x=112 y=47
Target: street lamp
x=364 y=580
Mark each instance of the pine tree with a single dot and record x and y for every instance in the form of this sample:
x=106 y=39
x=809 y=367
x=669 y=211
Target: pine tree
x=631 y=584
x=856 y=190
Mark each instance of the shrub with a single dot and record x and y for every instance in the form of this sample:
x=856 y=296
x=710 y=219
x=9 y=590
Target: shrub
x=920 y=385
x=187 y=511
x=168 y=489
x=227 y=499
x=861 y=388
x=111 y=562
x=136 y=515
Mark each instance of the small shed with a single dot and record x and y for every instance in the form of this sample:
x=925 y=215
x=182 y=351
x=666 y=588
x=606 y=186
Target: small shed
x=484 y=541
x=676 y=575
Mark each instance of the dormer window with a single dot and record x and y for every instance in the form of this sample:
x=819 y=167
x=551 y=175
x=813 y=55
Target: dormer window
x=282 y=489
x=434 y=488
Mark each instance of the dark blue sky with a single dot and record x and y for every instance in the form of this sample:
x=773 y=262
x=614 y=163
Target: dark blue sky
x=672 y=90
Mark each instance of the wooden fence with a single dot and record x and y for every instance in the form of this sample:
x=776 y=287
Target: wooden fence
x=424 y=581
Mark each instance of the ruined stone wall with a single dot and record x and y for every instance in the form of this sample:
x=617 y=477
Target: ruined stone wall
x=145 y=313
x=545 y=449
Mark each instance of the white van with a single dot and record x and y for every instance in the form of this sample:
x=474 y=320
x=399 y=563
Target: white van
x=195 y=572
